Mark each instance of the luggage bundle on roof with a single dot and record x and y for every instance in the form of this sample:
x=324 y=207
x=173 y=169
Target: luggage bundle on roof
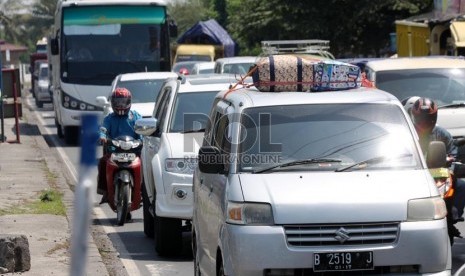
x=279 y=73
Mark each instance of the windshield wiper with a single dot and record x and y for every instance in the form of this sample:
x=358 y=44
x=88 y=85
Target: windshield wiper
x=299 y=162
x=193 y=130
x=453 y=105
x=375 y=160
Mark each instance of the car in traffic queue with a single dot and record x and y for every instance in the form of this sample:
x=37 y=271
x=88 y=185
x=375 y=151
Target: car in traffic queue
x=316 y=183
x=441 y=78
x=144 y=87
x=41 y=87
x=34 y=70
x=184 y=67
x=171 y=139
x=202 y=68
x=234 y=65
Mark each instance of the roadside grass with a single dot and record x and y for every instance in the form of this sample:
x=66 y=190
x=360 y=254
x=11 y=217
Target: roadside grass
x=49 y=202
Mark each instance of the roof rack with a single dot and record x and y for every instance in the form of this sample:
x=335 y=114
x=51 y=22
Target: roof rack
x=309 y=46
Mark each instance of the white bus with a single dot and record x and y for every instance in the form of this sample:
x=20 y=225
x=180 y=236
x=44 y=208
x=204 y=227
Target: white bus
x=93 y=41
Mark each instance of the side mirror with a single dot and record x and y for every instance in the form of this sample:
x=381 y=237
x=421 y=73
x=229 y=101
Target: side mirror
x=102 y=101
x=210 y=160
x=145 y=126
x=437 y=155
x=54 y=46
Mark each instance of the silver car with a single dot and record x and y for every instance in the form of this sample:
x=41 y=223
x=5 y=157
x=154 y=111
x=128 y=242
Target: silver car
x=234 y=65
x=330 y=183
x=41 y=87
x=440 y=78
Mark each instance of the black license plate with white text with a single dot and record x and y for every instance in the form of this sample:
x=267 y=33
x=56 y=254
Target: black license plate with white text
x=339 y=261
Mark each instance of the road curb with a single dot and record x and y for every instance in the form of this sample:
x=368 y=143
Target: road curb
x=95 y=264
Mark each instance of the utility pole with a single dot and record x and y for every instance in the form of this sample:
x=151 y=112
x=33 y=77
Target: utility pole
x=2 y=133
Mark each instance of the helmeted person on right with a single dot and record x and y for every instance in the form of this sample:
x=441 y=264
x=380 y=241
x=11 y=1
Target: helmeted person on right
x=424 y=114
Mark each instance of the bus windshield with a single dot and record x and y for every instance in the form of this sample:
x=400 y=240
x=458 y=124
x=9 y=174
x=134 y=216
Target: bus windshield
x=101 y=42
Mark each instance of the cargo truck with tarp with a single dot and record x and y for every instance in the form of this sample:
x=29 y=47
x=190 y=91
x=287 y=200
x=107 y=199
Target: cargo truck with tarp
x=205 y=41
x=439 y=32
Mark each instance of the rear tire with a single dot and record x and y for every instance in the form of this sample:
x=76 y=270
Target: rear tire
x=168 y=236
x=148 y=218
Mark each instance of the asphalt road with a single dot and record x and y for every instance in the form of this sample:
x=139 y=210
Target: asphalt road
x=136 y=251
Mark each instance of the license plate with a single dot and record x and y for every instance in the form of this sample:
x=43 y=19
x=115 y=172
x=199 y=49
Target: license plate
x=338 y=261
x=124 y=157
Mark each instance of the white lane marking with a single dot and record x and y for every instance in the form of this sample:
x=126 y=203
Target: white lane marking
x=128 y=262
x=161 y=269
x=125 y=257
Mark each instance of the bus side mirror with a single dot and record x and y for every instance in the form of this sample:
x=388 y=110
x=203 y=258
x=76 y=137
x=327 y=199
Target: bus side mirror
x=54 y=46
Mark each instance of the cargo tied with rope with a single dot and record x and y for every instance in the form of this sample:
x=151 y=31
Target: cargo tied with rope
x=280 y=73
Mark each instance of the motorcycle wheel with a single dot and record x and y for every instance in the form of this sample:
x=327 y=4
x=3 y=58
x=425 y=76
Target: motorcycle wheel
x=122 y=203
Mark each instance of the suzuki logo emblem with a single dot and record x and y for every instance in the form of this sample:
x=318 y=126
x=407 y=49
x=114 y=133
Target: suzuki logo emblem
x=342 y=235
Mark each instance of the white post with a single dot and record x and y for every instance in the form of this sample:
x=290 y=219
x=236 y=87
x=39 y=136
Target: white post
x=83 y=196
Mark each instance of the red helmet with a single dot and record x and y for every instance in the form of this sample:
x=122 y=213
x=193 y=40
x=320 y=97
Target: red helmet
x=424 y=114
x=121 y=101
x=184 y=71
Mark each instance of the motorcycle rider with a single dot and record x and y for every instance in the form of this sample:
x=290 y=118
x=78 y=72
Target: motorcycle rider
x=424 y=113
x=120 y=122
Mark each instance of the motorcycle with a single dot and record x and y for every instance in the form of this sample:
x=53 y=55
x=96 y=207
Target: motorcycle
x=123 y=175
x=446 y=180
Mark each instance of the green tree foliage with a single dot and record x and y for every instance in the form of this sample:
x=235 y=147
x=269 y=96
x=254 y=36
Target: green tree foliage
x=24 y=25
x=39 y=23
x=186 y=14
x=10 y=26
x=359 y=27
x=42 y=17
x=219 y=7
x=355 y=28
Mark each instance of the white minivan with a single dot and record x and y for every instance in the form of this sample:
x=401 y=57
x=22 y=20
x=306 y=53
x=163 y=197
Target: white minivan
x=328 y=183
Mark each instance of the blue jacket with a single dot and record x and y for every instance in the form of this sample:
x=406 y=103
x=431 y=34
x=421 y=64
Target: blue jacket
x=114 y=125
x=439 y=134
